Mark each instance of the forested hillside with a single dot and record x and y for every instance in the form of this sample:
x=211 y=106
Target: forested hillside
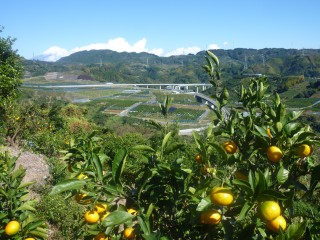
x=110 y=66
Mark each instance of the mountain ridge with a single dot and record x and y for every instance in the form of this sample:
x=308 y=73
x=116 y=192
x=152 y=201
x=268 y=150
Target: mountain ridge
x=111 y=66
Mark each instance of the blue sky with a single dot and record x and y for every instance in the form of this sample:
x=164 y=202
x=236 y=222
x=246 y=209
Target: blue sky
x=56 y=28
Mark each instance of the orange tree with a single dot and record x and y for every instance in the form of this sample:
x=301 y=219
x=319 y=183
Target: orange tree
x=17 y=213
x=256 y=172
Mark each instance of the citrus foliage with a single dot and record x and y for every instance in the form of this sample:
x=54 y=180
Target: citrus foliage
x=17 y=212
x=244 y=183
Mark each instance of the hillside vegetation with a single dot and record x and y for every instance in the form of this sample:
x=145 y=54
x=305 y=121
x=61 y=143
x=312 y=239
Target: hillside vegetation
x=124 y=67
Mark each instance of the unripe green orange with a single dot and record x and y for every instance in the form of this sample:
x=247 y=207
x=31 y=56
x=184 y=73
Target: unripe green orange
x=269 y=210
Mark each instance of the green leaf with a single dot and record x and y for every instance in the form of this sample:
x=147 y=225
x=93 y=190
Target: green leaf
x=293 y=115
x=111 y=189
x=244 y=211
x=305 y=135
x=252 y=181
x=261 y=130
x=116 y=218
x=213 y=57
x=142 y=148
x=315 y=178
x=98 y=166
x=272 y=194
x=150 y=210
x=18 y=172
x=262 y=183
x=243 y=185
x=26 y=184
x=67 y=185
x=262 y=232
x=203 y=204
x=279 y=126
x=277 y=99
x=118 y=164
x=173 y=147
x=39 y=233
x=103 y=158
x=3 y=193
x=165 y=140
x=143 y=225
x=282 y=175
x=290 y=128
x=281 y=112
x=33 y=225
x=219 y=149
x=27 y=206
x=296 y=231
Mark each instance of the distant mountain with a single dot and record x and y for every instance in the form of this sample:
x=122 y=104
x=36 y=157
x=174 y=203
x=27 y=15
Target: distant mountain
x=106 y=56
x=111 y=66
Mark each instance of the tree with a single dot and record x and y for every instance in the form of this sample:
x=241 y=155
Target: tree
x=10 y=74
x=10 y=79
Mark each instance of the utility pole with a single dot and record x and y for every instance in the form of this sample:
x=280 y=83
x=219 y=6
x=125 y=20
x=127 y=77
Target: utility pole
x=245 y=63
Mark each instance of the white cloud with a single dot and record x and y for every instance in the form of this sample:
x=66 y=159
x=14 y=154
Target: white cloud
x=213 y=46
x=225 y=43
x=120 y=45
x=183 y=51
x=53 y=54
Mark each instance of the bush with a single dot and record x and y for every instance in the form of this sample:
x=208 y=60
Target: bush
x=63 y=215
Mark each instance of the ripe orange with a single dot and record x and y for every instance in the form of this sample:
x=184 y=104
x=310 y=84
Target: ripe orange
x=82 y=176
x=132 y=211
x=12 y=228
x=79 y=198
x=129 y=233
x=304 y=150
x=30 y=239
x=240 y=175
x=198 y=158
x=269 y=210
x=91 y=216
x=100 y=236
x=211 y=217
x=269 y=133
x=274 y=154
x=275 y=224
x=100 y=207
x=103 y=216
x=221 y=196
x=230 y=147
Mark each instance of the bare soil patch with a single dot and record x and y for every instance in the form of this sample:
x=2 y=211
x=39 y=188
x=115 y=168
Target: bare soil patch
x=37 y=169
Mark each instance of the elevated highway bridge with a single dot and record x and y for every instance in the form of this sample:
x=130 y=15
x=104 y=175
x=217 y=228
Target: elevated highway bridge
x=164 y=86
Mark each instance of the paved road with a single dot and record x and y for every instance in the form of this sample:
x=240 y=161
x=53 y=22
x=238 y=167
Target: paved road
x=126 y=111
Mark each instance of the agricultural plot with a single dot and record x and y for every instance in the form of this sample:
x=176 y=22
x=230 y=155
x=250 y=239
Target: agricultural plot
x=177 y=113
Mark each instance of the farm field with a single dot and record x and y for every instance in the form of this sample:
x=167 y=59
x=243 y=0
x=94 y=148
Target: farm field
x=143 y=103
